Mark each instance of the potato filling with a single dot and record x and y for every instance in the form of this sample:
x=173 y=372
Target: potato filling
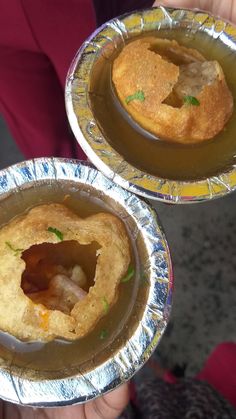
x=59 y=275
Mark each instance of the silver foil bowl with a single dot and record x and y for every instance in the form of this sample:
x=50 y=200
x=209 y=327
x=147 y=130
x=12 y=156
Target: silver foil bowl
x=37 y=181
x=102 y=43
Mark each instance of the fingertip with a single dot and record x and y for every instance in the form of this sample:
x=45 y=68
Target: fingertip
x=119 y=397
x=109 y=406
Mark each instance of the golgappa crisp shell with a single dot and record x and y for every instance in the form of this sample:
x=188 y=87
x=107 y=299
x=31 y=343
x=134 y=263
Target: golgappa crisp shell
x=26 y=320
x=166 y=73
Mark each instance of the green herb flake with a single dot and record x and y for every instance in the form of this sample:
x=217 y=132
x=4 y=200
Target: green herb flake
x=139 y=95
x=191 y=100
x=129 y=275
x=58 y=233
x=16 y=251
x=103 y=334
x=105 y=305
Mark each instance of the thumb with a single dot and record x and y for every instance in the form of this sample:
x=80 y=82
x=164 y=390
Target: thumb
x=109 y=406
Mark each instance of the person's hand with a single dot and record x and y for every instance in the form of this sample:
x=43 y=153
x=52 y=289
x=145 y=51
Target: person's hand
x=225 y=9
x=109 y=406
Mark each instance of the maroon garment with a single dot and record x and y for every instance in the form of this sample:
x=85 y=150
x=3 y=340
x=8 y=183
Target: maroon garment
x=220 y=371
x=107 y=9
x=38 y=40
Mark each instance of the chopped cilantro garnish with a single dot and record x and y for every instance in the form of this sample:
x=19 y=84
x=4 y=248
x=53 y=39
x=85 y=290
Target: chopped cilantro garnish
x=129 y=275
x=105 y=305
x=103 y=334
x=8 y=244
x=58 y=233
x=139 y=95
x=191 y=100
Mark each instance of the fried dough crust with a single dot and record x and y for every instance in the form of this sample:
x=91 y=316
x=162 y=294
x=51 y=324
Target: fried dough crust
x=166 y=73
x=26 y=320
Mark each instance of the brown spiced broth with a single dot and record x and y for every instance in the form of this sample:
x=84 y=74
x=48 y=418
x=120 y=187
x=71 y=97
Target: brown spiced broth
x=159 y=157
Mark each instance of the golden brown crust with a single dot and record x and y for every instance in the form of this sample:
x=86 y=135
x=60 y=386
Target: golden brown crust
x=171 y=51
x=180 y=122
x=138 y=68
x=22 y=318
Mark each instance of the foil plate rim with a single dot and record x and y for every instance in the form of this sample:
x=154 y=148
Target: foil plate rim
x=110 y=162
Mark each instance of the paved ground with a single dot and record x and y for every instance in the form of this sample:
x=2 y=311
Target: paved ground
x=202 y=240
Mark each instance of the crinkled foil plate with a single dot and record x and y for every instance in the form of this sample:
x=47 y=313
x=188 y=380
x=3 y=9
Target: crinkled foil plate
x=82 y=121
x=134 y=344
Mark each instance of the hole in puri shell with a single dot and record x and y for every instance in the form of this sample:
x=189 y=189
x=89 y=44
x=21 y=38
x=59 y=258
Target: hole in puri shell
x=59 y=275
x=168 y=54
